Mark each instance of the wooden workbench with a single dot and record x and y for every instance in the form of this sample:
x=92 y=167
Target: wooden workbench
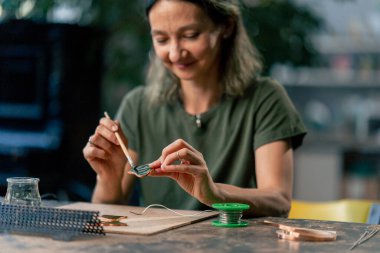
x=201 y=237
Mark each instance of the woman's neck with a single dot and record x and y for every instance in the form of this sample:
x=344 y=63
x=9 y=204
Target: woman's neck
x=199 y=98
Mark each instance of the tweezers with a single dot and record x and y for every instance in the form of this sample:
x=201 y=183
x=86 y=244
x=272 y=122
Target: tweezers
x=364 y=237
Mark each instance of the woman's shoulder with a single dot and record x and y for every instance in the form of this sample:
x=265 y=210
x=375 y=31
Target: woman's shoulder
x=135 y=94
x=137 y=91
x=263 y=86
x=267 y=83
x=132 y=98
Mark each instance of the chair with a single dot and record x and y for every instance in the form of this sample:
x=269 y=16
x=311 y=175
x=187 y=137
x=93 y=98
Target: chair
x=347 y=210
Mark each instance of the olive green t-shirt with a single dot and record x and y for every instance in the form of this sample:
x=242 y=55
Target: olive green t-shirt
x=228 y=136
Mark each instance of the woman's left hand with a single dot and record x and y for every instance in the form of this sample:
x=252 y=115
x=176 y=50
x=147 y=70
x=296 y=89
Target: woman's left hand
x=191 y=174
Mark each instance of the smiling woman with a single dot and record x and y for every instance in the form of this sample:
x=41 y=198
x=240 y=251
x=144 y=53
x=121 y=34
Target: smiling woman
x=210 y=127
x=188 y=44
x=220 y=23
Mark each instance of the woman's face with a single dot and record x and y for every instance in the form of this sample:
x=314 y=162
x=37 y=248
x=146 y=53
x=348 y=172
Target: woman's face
x=185 y=39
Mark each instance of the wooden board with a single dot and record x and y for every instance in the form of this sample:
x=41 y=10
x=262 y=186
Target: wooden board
x=153 y=221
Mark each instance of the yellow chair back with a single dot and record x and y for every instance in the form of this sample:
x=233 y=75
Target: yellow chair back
x=347 y=210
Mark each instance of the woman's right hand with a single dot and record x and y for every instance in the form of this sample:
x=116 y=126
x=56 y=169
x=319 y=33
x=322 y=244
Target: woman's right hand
x=103 y=152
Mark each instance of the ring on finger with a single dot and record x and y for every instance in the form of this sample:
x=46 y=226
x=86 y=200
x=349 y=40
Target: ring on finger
x=179 y=158
x=89 y=141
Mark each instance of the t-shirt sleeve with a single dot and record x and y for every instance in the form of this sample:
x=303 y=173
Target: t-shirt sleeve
x=128 y=115
x=276 y=117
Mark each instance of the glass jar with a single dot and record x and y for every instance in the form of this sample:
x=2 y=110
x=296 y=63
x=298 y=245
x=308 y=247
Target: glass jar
x=23 y=191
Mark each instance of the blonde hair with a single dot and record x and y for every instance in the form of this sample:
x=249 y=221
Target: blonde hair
x=240 y=60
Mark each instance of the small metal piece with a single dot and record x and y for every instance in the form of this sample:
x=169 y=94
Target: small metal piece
x=113 y=224
x=141 y=170
x=300 y=233
x=110 y=218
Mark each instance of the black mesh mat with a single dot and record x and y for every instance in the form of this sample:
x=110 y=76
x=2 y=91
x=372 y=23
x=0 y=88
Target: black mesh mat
x=59 y=224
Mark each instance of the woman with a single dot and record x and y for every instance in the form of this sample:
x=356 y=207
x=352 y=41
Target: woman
x=206 y=122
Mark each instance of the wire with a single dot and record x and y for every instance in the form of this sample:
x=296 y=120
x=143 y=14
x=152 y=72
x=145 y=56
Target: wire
x=171 y=210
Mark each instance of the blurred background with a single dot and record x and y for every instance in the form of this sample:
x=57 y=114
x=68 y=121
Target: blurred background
x=64 y=62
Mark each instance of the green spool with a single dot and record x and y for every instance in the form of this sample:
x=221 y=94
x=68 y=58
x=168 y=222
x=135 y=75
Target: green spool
x=229 y=215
